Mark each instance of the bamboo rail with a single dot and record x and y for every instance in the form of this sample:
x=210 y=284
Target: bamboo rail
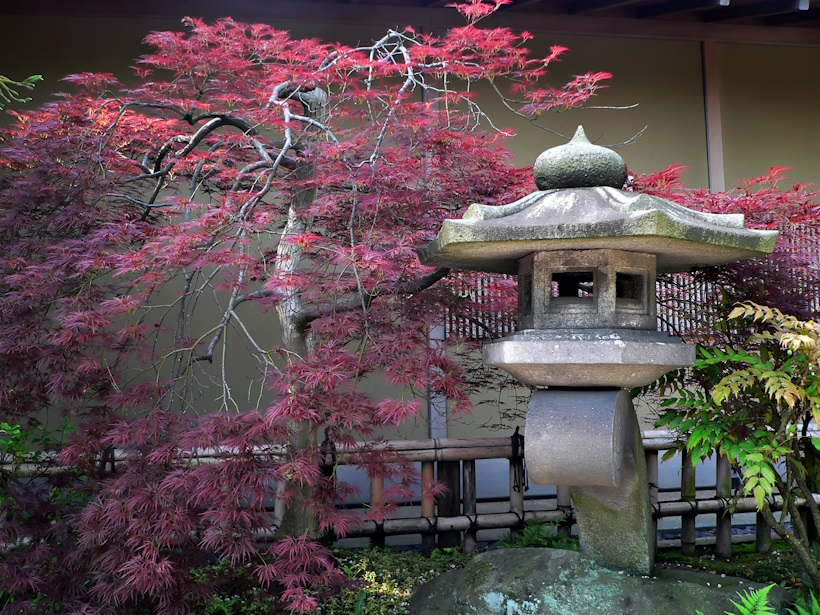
x=455 y=461
x=465 y=523
x=688 y=507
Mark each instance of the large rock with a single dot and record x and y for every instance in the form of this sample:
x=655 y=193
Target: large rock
x=557 y=582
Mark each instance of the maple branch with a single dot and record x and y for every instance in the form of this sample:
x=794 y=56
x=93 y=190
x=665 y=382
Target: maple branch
x=161 y=173
x=491 y=334
x=308 y=103
x=234 y=298
x=311 y=100
x=633 y=139
x=506 y=103
x=145 y=105
x=147 y=206
x=505 y=100
x=198 y=170
x=166 y=147
x=422 y=283
x=262 y=353
x=259 y=294
x=359 y=284
x=364 y=299
x=208 y=355
x=475 y=110
x=124 y=106
x=408 y=81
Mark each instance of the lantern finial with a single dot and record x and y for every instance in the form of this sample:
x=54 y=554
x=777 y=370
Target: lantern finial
x=579 y=164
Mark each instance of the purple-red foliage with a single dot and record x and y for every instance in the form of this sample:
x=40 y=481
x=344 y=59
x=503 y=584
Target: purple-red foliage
x=789 y=278
x=150 y=233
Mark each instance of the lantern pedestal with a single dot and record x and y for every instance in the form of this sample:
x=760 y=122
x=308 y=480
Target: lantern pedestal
x=590 y=441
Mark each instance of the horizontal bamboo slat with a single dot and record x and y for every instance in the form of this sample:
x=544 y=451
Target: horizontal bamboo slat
x=484 y=521
x=442 y=449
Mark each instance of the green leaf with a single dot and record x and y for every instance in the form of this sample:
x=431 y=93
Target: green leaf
x=755 y=602
x=768 y=474
x=760 y=496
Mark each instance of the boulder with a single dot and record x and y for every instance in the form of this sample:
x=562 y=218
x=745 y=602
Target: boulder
x=558 y=582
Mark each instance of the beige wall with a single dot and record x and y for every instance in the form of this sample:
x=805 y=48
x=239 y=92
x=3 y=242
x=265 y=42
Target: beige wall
x=661 y=82
x=768 y=93
x=768 y=98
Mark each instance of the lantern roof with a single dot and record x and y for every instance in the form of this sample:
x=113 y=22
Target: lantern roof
x=579 y=207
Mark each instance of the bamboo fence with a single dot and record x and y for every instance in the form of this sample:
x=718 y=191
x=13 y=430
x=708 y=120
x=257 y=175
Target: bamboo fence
x=453 y=519
x=467 y=521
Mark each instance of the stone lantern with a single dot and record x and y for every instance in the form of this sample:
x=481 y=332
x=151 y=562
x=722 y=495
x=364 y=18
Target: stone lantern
x=586 y=253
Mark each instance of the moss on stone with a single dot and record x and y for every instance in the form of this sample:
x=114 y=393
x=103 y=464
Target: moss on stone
x=553 y=582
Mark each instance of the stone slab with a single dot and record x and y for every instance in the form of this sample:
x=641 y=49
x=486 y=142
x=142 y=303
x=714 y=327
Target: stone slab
x=557 y=582
x=588 y=357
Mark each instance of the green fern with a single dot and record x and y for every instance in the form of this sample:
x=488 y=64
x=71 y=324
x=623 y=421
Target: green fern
x=539 y=534
x=754 y=602
x=804 y=608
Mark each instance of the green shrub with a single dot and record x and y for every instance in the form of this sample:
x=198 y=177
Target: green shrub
x=806 y=607
x=539 y=534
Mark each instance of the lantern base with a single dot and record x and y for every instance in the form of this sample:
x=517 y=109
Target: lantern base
x=591 y=441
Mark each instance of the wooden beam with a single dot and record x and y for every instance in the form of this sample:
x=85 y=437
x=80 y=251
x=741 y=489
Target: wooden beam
x=289 y=12
x=688 y=493
x=520 y=4
x=713 y=116
x=723 y=524
x=797 y=17
x=765 y=9
x=676 y=6
x=588 y=6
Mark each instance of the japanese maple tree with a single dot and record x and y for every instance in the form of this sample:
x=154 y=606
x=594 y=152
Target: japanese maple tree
x=787 y=280
x=153 y=234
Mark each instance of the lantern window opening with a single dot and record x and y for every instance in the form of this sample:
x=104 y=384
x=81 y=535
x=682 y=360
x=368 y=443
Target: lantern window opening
x=573 y=286
x=630 y=290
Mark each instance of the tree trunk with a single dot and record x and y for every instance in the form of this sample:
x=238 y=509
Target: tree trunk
x=295 y=337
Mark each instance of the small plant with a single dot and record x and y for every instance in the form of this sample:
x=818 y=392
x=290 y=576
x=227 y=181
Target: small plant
x=539 y=534
x=752 y=602
x=779 y=566
x=240 y=605
x=806 y=607
x=381 y=581
x=9 y=91
x=755 y=404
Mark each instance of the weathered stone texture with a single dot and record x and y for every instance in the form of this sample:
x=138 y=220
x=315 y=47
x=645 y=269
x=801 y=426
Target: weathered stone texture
x=588 y=357
x=494 y=238
x=591 y=441
x=579 y=164
x=556 y=582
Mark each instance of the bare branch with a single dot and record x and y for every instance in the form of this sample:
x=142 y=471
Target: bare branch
x=365 y=298
x=161 y=173
x=147 y=206
x=416 y=286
